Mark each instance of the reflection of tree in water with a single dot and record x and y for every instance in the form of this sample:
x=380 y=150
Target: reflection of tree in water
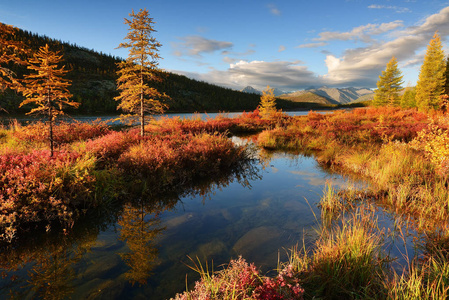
x=140 y=225
x=140 y=222
x=52 y=275
x=52 y=258
x=52 y=272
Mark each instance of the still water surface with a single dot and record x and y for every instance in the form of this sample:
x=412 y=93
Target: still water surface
x=111 y=119
x=260 y=217
x=141 y=250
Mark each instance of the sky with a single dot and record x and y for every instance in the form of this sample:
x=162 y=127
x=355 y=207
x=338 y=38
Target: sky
x=287 y=44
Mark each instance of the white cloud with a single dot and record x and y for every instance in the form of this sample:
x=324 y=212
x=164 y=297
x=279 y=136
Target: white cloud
x=312 y=45
x=395 y=8
x=358 y=67
x=363 y=65
x=274 y=10
x=281 y=48
x=289 y=75
x=362 y=33
x=196 y=45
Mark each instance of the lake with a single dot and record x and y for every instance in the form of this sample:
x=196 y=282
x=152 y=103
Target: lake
x=143 y=249
x=110 y=119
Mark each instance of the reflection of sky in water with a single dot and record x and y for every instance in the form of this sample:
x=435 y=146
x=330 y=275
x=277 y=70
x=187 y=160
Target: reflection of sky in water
x=261 y=222
x=111 y=119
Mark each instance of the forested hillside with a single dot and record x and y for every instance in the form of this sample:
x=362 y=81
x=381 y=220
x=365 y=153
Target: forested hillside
x=93 y=77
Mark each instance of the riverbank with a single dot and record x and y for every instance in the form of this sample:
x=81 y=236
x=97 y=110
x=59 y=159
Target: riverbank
x=94 y=163
x=404 y=155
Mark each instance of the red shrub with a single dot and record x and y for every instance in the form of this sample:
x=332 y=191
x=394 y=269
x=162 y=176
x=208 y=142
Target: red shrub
x=112 y=145
x=63 y=132
x=36 y=187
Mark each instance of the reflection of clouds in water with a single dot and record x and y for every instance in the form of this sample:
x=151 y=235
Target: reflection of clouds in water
x=317 y=180
x=238 y=141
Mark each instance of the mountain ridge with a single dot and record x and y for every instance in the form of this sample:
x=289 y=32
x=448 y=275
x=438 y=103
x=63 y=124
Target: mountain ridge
x=331 y=95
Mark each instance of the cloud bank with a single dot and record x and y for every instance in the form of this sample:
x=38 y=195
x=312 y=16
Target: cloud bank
x=358 y=67
x=196 y=45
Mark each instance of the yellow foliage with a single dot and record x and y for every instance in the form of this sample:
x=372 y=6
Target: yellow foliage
x=137 y=97
x=267 y=103
x=434 y=141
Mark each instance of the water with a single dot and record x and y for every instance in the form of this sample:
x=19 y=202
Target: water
x=111 y=119
x=142 y=249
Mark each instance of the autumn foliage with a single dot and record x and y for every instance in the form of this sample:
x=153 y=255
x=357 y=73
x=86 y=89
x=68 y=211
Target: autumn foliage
x=137 y=95
x=10 y=52
x=240 y=280
x=46 y=89
x=359 y=128
x=35 y=187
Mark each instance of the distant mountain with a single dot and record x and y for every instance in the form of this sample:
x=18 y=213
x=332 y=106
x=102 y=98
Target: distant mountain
x=322 y=95
x=277 y=92
x=341 y=95
x=307 y=96
x=249 y=89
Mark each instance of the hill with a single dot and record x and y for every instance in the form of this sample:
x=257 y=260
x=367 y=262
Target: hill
x=322 y=95
x=249 y=89
x=341 y=95
x=307 y=97
x=93 y=76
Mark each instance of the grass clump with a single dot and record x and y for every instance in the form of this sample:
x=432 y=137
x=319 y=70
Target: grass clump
x=346 y=263
x=403 y=153
x=240 y=280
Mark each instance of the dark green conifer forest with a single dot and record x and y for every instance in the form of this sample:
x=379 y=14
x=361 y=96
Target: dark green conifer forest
x=93 y=77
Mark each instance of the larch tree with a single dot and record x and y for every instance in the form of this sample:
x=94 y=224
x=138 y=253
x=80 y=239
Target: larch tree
x=408 y=98
x=267 y=105
x=446 y=74
x=46 y=88
x=389 y=85
x=137 y=97
x=10 y=52
x=432 y=76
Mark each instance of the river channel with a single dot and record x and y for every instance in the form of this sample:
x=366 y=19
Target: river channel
x=143 y=250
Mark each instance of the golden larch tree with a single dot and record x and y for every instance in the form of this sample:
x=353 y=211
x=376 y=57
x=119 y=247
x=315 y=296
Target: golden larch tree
x=137 y=97
x=432 y=77
x=389 y=85
x=46 y=88
x=267 y=105
x=10 y=53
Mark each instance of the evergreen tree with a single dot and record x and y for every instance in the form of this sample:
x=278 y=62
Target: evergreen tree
x=136 y=96
x=389 y=85
x=267 y=103
x=47 y=88
x=10 y=52
x=408 y=98
x=446 y=84
x=432 y=77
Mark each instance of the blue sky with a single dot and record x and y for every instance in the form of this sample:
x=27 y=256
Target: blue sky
x=289 y=44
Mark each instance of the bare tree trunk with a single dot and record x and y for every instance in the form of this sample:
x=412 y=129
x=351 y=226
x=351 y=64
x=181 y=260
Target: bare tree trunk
x=50 y=125
x=142 y=119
